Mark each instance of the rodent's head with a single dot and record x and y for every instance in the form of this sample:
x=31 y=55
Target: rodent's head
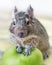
x=22 y=22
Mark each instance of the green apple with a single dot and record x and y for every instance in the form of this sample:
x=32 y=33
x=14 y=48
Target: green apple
x=11 y=57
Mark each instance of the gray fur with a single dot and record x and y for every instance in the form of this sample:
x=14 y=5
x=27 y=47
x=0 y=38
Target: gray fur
x=30 y=27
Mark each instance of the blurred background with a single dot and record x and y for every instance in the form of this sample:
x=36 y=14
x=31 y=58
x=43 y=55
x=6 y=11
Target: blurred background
x=42 y=11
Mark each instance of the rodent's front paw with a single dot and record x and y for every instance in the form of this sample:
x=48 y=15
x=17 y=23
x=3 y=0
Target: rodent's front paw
x=19 y=49
x=27 y=50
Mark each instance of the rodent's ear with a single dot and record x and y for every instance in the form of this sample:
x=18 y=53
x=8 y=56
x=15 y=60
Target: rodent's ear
x=14 y=12
x=30 y=11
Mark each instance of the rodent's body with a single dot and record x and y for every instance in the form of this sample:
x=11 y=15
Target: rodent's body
x=42 y=36
x=34 y=34
x=38 y=37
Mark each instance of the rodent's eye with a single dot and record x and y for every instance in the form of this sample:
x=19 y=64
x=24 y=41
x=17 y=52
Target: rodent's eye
x=14 y=23
x=31 y=18
x=27 y=22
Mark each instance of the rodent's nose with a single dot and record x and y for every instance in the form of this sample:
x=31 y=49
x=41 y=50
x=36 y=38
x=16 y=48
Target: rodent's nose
x=20 y=34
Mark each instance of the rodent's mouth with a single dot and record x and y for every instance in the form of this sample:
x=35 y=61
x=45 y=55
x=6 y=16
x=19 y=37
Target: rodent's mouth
x=22 y=33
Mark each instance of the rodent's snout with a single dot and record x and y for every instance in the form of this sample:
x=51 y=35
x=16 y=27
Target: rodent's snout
x=21 y=34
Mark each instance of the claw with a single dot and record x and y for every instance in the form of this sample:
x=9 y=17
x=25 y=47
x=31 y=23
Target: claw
x=19 y=49
x=45 y=55
x=27 y=50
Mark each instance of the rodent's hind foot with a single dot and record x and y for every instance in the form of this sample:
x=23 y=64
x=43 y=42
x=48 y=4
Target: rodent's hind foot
x=45 y=55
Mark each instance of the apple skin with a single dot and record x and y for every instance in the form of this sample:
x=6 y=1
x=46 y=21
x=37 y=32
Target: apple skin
x=11 y=57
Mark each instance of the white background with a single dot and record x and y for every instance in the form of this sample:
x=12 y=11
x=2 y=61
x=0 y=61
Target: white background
x=41 y=7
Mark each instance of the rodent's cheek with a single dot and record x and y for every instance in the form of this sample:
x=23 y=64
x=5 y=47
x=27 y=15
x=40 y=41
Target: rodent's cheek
x=29 y=27
x=16 y=31
x=25 y=33
x=11 y=29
